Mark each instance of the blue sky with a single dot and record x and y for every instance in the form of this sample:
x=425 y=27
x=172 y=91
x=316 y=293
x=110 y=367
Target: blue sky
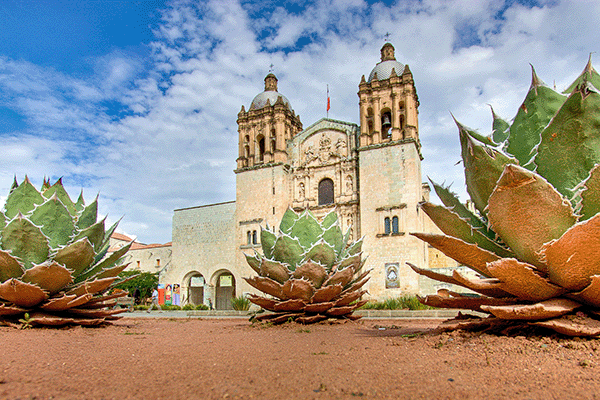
x=137 y=100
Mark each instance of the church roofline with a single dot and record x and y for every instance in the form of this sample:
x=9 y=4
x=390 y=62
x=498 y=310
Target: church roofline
x=205 y=205
x=315 y=127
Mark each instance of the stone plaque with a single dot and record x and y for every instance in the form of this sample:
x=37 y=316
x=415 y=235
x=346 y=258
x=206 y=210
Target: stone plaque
x=391 y=276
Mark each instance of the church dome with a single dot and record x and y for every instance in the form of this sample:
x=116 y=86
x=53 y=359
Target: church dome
x=388 y=62
x=270 y=94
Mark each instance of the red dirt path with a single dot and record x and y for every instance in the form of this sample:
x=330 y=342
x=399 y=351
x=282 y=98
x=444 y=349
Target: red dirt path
x=230 y=358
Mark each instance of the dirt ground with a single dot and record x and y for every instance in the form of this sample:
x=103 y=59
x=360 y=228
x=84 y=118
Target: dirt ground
x=230 y=358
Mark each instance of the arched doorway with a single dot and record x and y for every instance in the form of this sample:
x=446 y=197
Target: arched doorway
x=224 y=291
x=196 y=289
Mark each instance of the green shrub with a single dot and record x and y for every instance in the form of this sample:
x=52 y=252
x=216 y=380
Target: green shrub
x=240 y=303
x=201 y=307
x=145 y=281
x=140 y=307
x=189 y=307
x=406 y=302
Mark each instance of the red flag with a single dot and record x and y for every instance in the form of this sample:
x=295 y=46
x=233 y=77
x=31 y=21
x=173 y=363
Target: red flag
x=328 y=100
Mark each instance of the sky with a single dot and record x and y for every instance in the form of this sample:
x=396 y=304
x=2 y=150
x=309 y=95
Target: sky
x=138 y=100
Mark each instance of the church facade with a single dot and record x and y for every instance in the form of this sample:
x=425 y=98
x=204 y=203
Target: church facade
x=369 y=173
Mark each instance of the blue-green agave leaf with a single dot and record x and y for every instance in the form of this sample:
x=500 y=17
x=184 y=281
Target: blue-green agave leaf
x=94 y=233
x=589 y=74
x=76 y=257
x=590 y=194
x=288 y=220
x=570 y=145
x=500 y=128
x=330 y=219
x=80 y=203
x=59 y=190
x=22 y=199
x=267 y=241
x=89 y=215
x=483 y=167
x=333 y=235
x=538 y=108
x=25 y=241
x=453 y=225
x=323 y=253
x=55 y=220
x=106 y=264
x=307 y=230
x=288 y=250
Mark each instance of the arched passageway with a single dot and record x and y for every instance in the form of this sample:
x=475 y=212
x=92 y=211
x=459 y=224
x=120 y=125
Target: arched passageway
x=224 y=291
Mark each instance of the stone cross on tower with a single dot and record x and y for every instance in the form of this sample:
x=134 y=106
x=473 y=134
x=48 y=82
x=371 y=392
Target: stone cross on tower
x=387 y=37
x=271 y=67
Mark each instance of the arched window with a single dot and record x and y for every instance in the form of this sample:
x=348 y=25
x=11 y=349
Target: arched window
x=254 y=237
x=326 y=191
x=395 y=225
x=386 y=125
x=386 y=225
x=261 y=149
x=249 y=237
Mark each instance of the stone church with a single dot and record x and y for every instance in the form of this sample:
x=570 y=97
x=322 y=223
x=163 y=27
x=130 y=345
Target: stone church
x=369 y=173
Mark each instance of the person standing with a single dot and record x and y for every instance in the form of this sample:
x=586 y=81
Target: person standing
x=154 y=300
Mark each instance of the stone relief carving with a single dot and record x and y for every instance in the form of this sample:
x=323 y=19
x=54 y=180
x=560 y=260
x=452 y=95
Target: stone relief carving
x=324 y=150
x=349 y=185
x=301 y=191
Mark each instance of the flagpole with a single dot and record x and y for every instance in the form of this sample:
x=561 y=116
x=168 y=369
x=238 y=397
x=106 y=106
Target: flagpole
x=328 y=103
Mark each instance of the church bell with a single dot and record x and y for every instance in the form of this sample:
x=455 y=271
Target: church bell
x=385 y=122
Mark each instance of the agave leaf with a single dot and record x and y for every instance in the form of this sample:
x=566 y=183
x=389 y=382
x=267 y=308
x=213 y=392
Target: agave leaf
x=253 y=261
x=106 y=264
x=330 y=219
x=102 y=253
x=323 y=253
x=457 y=300
x=354 y=262
x=298 y=289
x=311 y=271
x=575 y=256
x=23 y=198
x=588 y=74
x=500 y=128
x=76 y=257
x=109 y=232
x=590 y=195
x=80 y=203
x=60 y=192
x=94 y=233
x=572 y=325
x=288 y=220
x=352 y=248
x=522 y=280
x=25 y=241
x=591 y=294
x=14 y=185
x=570 y=145
x=538 y=108
x=2 y=220
x=341 y=277
x=50 y=276
x=89 y=215
x=333 y=235
x=111 y=272
x=288 y=250
x=55 y=220
x=22 y=294
x=307 y=230
x=266 y=285
x=483 y=166
x=543 y=310
x=91 y=287
x=468 y=254
x=452 y=202
x=526 y=212
x=275 y=270
x=267 y=241
x=327 y=293
x=452 y=225
x=264 y=302
x=10 y=267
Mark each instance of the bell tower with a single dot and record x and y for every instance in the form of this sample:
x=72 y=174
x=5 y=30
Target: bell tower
x=388 y=102
x=390 y=176
x=265 y=128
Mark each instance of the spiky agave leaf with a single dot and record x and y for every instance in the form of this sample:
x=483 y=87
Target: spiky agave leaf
x=52 y=258
x=549 y=218
x=308 y=269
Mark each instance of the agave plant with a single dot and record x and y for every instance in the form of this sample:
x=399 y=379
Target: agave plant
x=309 y=269
x=54 y=268
x=534 y=239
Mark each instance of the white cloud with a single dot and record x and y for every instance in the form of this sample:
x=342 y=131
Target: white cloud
x=176 y=144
